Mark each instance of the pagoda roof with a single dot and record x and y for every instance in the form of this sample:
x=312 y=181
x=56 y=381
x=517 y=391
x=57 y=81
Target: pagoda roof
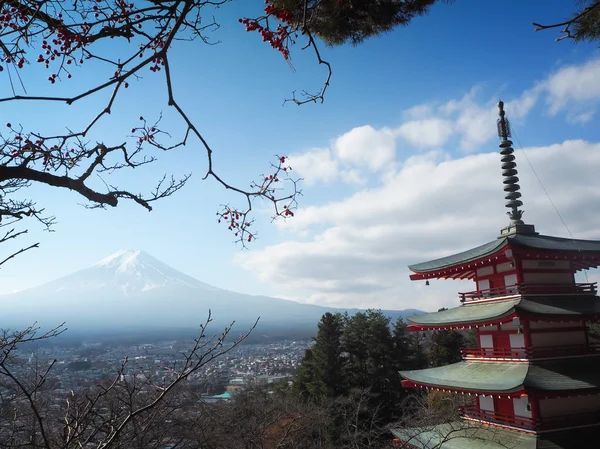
x=561 y=375
x=460 y=258
x=472 y=376
x=465 y=435
x=535 y=242
x=481 y=313
x=466 y=314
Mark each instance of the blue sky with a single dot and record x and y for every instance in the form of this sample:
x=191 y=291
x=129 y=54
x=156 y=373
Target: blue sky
x=413 y=109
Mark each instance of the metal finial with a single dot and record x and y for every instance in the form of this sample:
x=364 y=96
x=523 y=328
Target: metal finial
x=503 y=123
x=509 y=169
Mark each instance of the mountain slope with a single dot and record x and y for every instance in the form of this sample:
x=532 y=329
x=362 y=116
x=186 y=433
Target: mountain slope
x=133 y=290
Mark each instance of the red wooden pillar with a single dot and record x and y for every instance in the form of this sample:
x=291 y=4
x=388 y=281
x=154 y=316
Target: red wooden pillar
x=525 y=327
x=518 y=270
x=535 y=412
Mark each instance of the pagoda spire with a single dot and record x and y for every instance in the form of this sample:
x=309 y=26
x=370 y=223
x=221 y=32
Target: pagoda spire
x=509 y=169
x=509 y=172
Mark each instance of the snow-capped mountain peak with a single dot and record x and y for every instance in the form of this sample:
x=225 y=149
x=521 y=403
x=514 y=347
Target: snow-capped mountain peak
x=132 y=288
x=123 y=260
x=127 y=273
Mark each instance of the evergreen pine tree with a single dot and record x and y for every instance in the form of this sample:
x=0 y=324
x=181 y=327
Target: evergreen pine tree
x=343 y=21
x=320 y=373
x=445 y=347
x=586 y=21
x=371 y=363
x=418 y=353
x=402 y=346
x=305 y=376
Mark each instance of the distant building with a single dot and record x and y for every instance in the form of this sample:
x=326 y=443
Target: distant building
x=217 y=398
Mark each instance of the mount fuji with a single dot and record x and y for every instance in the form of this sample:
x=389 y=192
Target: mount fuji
x=131 y=290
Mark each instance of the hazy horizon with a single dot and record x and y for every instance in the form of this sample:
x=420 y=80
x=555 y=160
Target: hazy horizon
x=132 y=291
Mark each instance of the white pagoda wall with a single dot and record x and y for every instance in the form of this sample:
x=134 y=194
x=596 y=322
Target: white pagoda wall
x=486 y=403
x=517 y=341
x=520 y=406
x=486 y=341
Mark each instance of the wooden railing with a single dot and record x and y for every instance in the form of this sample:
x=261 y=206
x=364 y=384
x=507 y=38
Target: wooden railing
x=531 y=289
x=523 y=422
x=499 y=353
x=545 y=352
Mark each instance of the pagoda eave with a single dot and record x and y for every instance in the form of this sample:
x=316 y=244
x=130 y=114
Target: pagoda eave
x=415 y=327
x=515 y=393
x=475 y=314
x=462 y=435
x=473 y=435
x=552 y=376
x=472 y=377
x=583 y=254
x=518 y=392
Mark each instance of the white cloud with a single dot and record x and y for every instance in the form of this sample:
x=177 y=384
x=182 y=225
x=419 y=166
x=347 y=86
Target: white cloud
x=573 y=85
x=521 y=106
x=366 y=146
x=473 y=122
x=574 y=89
x=582 y=117
x=360 y=151
x=354 y=252
x=365 y=150
x=419 y=111
x=315 y=165
x=433 y=206
x=477 y=126
x=432 y=132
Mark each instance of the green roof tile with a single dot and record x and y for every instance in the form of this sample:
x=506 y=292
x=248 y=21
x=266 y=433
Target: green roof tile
x=547 y=242
x=455 y=259
x=474 y=376
x=560 y=305
x=552 y=375
x=464 y=435
x=467 y=313
x=474 y=313
x=538 y=242
x=569 y=439
x=565 y=374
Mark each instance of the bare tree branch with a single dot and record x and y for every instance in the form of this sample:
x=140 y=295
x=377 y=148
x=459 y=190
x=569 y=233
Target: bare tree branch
x=567 y=25
x=63 y=38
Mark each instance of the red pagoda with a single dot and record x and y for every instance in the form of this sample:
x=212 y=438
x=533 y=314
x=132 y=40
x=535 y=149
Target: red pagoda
x=534 y=377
